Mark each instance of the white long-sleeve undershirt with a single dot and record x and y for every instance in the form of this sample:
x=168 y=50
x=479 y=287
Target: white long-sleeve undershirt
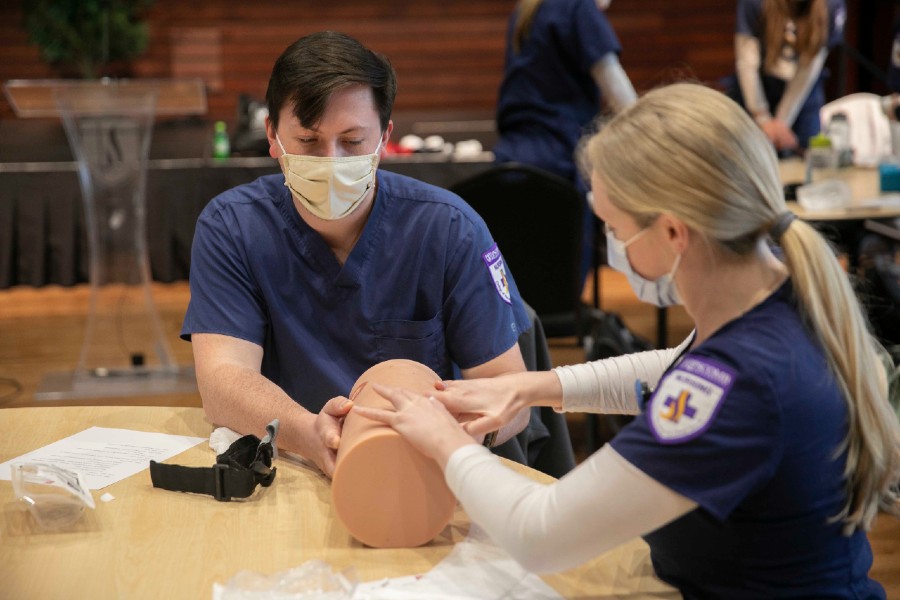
x=797 y=89
x=604 y=502
x=747 y=66
x=607 y=385
x=747 y=61
x=614 y=84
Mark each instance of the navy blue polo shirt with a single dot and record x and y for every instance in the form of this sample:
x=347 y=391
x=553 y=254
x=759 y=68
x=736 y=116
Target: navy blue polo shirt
x=747 y=425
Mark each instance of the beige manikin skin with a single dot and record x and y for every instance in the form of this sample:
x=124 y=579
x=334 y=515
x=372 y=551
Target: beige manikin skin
x=386 y=493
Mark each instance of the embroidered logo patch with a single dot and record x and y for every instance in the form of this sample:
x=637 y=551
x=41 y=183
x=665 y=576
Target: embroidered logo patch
x=687 y=399
x=494 y=261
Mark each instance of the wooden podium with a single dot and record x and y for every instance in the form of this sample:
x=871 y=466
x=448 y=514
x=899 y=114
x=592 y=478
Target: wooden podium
x=109 y=124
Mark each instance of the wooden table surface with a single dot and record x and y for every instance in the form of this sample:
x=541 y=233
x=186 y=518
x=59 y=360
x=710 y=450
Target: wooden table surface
x=151 y=543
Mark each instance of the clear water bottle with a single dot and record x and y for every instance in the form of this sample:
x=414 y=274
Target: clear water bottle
x=839 y=133
x=821 y=159
x=221 y=144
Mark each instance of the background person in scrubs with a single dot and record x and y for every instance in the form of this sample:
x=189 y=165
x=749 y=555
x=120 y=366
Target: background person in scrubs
x=767 y=444
x=891 y=102
x=780 y=48
x=302 y=281
x=562 y=66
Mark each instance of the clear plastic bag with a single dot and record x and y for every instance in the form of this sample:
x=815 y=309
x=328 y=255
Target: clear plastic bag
x=831 y=194
x=312 y=579
x=55 y=497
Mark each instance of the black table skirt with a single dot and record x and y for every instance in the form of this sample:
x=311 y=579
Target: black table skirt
x=42 y=231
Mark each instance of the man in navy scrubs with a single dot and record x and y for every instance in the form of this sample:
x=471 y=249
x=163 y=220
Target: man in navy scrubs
x=302 y=281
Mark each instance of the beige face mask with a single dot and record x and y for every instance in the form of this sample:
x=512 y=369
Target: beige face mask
x=329 y=187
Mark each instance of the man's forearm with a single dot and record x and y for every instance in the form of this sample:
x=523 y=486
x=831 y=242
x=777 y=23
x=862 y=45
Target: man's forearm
x=244 y=400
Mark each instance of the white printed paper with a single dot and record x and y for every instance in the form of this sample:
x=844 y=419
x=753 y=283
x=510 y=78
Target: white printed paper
x=106 y=455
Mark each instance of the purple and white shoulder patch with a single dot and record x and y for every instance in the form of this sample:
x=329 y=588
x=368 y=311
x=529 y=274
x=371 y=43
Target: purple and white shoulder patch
x=688 y=398
x=494 y=262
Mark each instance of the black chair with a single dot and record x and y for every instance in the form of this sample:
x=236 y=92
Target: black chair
x=545 y=443
x=536 y=219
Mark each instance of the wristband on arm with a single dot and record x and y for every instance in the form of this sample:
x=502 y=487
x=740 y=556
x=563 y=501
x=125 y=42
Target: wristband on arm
x=490 y=439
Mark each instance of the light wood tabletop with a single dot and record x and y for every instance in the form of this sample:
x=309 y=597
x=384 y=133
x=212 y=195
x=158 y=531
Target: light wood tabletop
x=151 y=543
x=868 y=201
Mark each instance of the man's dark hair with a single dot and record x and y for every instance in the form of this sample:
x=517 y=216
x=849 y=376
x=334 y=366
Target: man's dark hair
x=311 y=69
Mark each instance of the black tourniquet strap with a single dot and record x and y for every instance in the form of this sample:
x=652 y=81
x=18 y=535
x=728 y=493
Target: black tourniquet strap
x=246 y=464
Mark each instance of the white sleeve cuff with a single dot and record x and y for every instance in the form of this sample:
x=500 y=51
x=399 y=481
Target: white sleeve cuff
x=608 y=385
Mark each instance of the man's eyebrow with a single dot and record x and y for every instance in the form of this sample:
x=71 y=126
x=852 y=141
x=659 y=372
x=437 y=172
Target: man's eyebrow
x=353 y=129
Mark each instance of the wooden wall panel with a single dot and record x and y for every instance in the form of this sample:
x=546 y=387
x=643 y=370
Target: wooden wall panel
x=448 y=53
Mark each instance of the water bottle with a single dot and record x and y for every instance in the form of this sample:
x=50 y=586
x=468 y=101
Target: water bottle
x=821 y=159
x=824 y=189
x=839 y=134
x=221 y=144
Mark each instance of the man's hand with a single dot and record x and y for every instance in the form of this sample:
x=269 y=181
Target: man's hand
x=323 y=434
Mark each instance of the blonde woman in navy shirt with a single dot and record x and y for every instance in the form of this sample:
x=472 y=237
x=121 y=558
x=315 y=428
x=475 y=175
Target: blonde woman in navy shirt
x=766 y=444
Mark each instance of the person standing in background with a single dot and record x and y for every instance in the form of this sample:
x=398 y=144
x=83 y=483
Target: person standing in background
x=562 y=65
x=891 y=102
x=780 y=50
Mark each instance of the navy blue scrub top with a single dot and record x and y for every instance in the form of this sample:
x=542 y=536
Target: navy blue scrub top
x=548 y=95
x=747 y=425
x=894 y=66
x=424 y=282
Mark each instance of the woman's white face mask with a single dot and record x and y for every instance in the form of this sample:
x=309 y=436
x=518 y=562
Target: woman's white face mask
x=661 y=291
x=329 y=187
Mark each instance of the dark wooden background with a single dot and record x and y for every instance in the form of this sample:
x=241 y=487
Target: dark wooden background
x=448 y=53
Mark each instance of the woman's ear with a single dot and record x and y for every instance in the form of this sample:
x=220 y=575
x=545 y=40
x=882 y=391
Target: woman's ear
x=676 y=231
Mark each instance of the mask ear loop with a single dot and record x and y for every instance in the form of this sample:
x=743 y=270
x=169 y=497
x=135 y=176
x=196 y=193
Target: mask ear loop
x=280 y=145
x=377 y=151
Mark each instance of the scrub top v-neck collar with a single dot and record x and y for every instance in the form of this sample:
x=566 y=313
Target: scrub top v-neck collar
x=319 y=254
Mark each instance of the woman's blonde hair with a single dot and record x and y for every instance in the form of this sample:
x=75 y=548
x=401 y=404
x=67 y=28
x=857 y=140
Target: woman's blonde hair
x=525 y=11
x=811 y=28
x=691 y=152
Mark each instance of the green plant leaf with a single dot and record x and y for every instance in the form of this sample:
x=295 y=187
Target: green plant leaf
x=87 y=35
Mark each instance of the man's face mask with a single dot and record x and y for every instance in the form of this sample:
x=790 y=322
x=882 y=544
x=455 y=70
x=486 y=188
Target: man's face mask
x=329 y=187
x=661 y=291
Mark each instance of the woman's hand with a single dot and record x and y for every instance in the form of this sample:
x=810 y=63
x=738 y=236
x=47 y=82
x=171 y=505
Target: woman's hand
x=482 y=405
x=780 y=134
x=422 y=420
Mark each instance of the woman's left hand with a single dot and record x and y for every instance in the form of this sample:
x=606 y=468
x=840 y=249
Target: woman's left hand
x=422 y=420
